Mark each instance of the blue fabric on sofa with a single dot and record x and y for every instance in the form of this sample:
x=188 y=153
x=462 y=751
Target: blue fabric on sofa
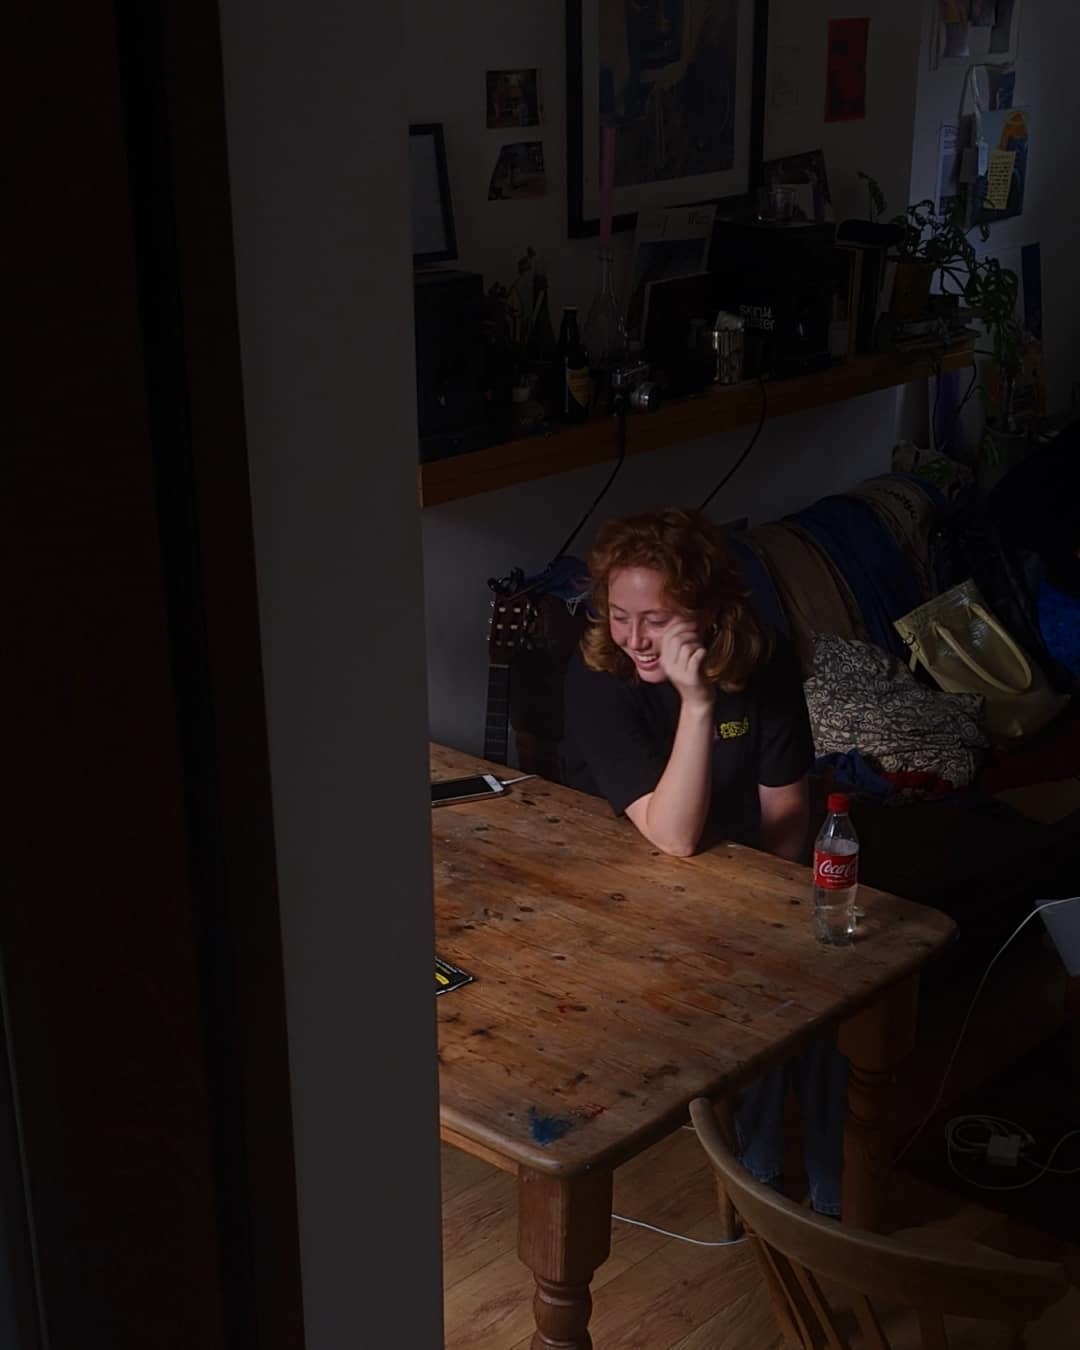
x=756 y=575
x=864 y=551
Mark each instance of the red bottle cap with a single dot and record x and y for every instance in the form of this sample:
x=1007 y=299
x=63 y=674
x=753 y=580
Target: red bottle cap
x=838 y=801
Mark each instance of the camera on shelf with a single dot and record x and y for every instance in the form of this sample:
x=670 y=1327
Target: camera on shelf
x=631 y=386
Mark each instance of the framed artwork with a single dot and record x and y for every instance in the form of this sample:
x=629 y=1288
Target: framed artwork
x=683 y=84
x=433 y=234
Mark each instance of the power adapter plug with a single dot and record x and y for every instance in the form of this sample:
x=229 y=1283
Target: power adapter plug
x=1003 y=1150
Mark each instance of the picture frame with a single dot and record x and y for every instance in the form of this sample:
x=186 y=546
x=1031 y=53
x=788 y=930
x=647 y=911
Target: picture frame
x=434 y=237
x=689 y=104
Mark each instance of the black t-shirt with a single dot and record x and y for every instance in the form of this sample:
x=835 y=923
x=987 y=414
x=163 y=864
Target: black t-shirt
x=619 y=735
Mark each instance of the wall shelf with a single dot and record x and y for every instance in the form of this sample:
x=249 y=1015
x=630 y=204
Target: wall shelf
x=718 y=409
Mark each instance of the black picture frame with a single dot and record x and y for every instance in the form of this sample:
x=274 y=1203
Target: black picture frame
x=581 y=221
x=435 y=161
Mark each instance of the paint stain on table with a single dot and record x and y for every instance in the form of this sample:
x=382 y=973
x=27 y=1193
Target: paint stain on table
x=546 y=1129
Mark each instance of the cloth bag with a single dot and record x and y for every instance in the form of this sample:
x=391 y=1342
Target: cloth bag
x=863 y=700
x=967 y=651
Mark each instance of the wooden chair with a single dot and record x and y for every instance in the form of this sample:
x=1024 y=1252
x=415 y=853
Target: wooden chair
x=795 y=1247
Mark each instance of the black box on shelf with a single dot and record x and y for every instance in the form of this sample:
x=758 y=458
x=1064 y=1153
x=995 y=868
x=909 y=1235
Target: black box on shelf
x=450 y=362
x=781 y=277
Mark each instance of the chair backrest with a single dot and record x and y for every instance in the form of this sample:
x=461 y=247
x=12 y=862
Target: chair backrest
x=796 y=1247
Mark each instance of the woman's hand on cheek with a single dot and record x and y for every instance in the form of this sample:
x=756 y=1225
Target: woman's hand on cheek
x=682 y=658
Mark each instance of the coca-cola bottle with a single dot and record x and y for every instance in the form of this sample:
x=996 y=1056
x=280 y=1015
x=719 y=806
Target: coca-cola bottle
x=836 y=874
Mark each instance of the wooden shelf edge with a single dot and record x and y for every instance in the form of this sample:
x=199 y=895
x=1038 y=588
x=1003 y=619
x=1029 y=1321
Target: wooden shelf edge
x=711 y=413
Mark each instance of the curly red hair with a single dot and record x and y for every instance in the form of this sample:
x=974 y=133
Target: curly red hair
x=701 y=581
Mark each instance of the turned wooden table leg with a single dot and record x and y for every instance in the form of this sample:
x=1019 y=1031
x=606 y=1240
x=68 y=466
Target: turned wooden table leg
x=564 y=1233
x=875 y=1040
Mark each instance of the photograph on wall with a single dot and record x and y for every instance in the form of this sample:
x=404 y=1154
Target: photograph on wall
x=518 y=173
x=948 y=168
x=682 y=83
x=845 y=70
x=1003 y=35
x=808 y=180
x=993 y=86
x=514 y=99
x=952 y=25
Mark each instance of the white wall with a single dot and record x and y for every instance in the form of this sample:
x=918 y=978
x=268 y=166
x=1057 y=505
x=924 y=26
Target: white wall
x=1048 y=84
x=880 y=144
x=318 y=153
x=796 y=460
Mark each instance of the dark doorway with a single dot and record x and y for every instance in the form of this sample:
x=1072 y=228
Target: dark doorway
x=139 y=931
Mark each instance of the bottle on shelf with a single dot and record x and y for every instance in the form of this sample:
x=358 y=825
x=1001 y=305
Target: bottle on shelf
x=573 y=365
x=605 y=331
x=540 y=351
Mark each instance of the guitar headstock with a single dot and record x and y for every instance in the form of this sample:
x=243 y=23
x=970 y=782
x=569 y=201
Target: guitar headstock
x=513 y=620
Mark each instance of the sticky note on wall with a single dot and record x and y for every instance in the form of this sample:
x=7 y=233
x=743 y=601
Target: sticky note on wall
x=999 y=178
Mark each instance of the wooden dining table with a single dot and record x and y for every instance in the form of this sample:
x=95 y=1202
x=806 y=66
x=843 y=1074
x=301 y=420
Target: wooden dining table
x=614 y=984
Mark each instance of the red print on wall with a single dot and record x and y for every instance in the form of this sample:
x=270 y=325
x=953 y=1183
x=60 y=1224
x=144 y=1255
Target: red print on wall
x=845 y=70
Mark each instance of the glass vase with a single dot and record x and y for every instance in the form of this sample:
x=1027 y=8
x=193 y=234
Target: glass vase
x=605 y=331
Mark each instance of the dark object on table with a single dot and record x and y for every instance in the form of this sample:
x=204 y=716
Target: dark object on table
x=782 y=279
x=448 y=977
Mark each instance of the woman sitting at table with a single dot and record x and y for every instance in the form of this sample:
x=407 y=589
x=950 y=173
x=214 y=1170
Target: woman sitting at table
x=688 y=715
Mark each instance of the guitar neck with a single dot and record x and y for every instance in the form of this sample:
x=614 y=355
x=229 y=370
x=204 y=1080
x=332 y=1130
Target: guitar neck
x=497 y=719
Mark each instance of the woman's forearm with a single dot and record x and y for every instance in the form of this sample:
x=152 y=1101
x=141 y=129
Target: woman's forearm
x=785 y=820
x=673 y=815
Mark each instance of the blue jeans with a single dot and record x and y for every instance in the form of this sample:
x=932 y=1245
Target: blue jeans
x=820 y=1074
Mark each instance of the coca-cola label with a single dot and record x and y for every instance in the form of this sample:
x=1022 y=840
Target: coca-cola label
x=835 y=871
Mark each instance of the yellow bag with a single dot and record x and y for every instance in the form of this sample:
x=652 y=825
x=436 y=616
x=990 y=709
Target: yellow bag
x=967 y=651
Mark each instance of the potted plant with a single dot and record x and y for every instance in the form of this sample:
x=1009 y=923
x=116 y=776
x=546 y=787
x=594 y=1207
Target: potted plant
x=992 y=293
x=930 y=243
x=933 y=244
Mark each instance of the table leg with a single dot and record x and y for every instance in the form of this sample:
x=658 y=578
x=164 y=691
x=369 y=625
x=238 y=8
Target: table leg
x=875 y=1040
x=564 y=1233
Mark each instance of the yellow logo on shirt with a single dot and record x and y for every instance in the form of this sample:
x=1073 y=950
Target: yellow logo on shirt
x=727 y=731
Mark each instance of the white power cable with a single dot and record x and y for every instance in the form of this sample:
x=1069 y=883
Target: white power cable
x=993 y=1125
x=1037 y=909
x=509 y=782
x=679 y=1237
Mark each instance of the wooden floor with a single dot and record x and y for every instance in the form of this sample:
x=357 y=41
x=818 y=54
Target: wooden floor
x=655 y=1293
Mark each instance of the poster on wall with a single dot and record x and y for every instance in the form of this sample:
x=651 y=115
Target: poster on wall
x=682 y=84
x=845 y=70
